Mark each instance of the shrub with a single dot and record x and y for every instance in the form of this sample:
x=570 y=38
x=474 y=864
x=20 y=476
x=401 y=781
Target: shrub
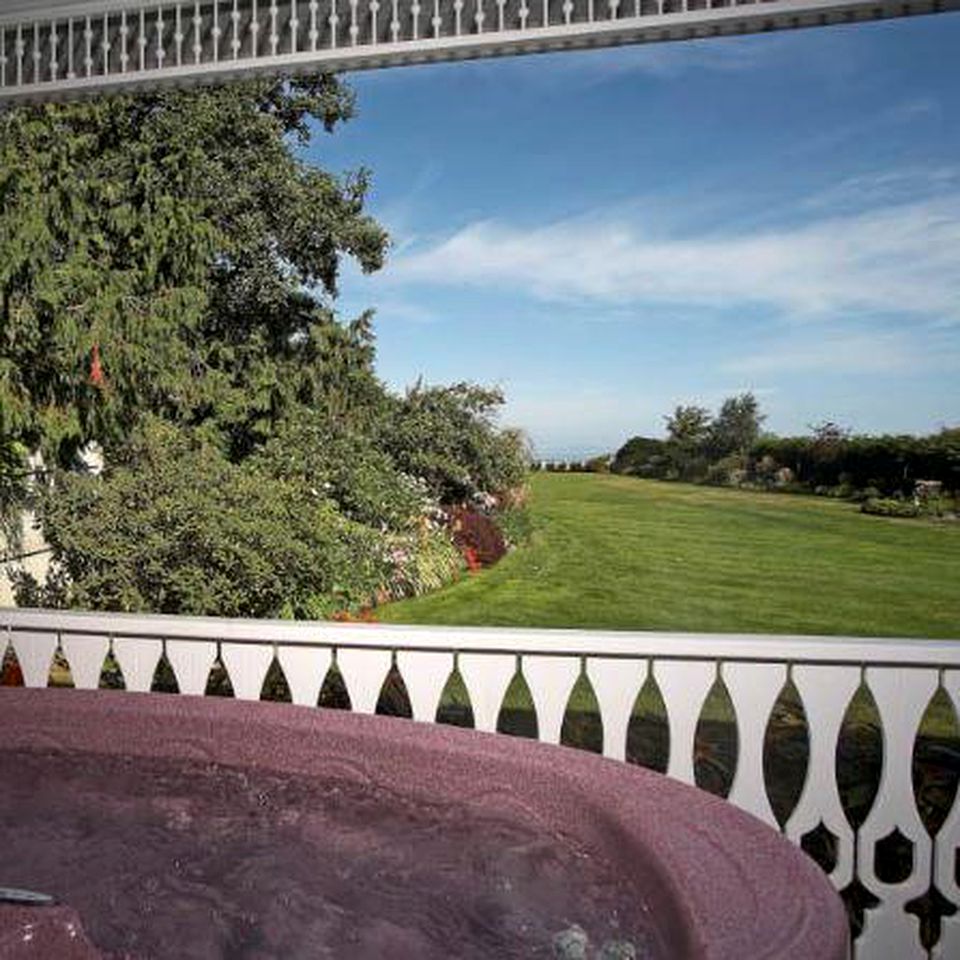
x=889 y=507
x=476 y=536
x=183 y=530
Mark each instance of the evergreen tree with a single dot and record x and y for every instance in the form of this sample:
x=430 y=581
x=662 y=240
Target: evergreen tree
x=168 y=253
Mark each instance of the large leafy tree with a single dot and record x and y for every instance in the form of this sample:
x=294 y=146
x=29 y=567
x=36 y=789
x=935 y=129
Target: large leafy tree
x=169 y=254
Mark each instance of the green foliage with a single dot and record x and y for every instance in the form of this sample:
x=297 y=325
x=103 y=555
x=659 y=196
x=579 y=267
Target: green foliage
x=640 y=456
x=346 y=467
x=13 y=491
x=154 y=249
x=174 y=527
x=889 y=507
x=446 y=435
x=890 y=464
x=688 y=430
x=735 y=428
x=167 y=267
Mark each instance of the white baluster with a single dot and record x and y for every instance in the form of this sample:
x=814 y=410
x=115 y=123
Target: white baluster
x=436 y=22
x=254 y=30
x=247 y=664
x=37 y=54
x=425 y=673
x=478 y=17
x=546 y=13
x=590 y=11
x=374 y=7
x=500 y=16
x=305 y=669
x=85 y=654
x=457 y=17
x=235 y=42
x=124 y=41
x=354 y=30
x=826 y=692
x=363 y=672
x=314 y=31
x=551 y=681
x=274 y=29
x=105 y=46
x=3 y=56
x=948 y=841
x=54 y=43
x=753 y=689
x=191 y=661
x=567 y=11
x=160 y=52
x=294 y=27
x=216 y=33
x=88 y=41
x=197 y=40
x=71 y=73
x=486 y=677
x=415 y=20
x=138 y=659
x=616 y=684
x=19 y=48
x=333 y=20
x=614 y=8
x=902 y=696
x=35 y=654
x=395 y=22
x=178 y=36
x=524 y=12
x=684 y=685
x=142 y=40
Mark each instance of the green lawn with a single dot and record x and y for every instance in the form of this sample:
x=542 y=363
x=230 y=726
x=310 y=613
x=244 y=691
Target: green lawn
x=619 y=553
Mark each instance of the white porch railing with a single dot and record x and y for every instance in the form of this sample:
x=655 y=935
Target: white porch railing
x=65 y=47
x=903 y=677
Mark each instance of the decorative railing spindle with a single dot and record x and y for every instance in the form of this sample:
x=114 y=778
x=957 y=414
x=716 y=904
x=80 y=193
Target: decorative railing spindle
x=142 y=41
x=160 y=51
x=197 y=37
x=216 y=33
x=294 y=27
x=235 y=43
x=354 y=28
x=415 y=20
x=54 y=50
x=395 y=21
x=314 y=31
x=275 y=28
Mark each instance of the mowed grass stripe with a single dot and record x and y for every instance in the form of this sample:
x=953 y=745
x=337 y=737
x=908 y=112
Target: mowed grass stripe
x=619 y=553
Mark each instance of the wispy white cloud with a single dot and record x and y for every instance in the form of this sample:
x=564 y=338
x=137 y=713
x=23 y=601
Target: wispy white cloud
x=849 y=353
x=898 y=259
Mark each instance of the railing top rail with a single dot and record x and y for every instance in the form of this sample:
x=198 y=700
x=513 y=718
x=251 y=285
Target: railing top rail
x=755 y=648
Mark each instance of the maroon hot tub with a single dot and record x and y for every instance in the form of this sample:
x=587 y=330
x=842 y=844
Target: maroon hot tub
x=174 y=826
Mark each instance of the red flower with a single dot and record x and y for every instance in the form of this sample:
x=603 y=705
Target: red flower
x=96 y=370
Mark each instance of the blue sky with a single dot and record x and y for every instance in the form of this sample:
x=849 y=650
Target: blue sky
x=609 y=233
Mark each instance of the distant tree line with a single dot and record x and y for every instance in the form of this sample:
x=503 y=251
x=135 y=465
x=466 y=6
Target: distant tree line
x=730 y=449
